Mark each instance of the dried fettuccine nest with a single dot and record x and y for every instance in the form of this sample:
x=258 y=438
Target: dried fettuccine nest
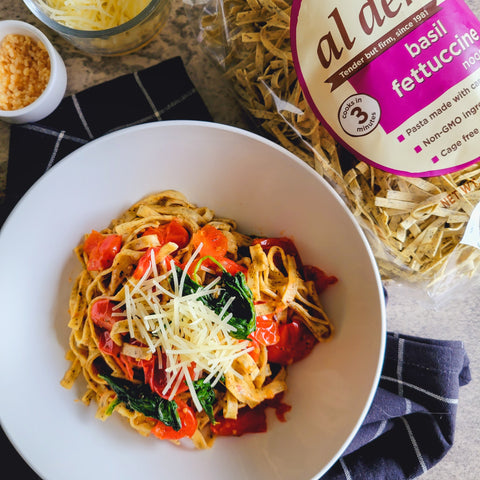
x=417 y=224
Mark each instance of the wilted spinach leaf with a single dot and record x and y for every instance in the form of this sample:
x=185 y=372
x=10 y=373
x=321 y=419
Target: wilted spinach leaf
x=140 y=398
x=206 y=396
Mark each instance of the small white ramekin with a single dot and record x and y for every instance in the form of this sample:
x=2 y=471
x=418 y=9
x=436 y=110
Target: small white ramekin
x=53 y=94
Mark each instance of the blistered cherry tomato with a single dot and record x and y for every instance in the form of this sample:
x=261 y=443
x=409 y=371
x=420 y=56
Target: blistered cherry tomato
x=296 y=342
x=172 y=231
x=266 y=332
x=101 y=250
x=249 y=420
x=187 y=419
x=101 y=313
x=214 y=242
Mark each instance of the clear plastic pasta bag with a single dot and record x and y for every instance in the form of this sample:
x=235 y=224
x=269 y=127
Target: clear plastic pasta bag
x=383 y=100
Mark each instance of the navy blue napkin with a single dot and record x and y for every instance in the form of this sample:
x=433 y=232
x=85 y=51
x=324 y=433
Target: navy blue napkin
x=411 y=423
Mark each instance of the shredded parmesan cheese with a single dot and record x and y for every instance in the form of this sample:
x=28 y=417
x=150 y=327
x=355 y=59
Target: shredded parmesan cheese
x=93 y=14
x=183 y=328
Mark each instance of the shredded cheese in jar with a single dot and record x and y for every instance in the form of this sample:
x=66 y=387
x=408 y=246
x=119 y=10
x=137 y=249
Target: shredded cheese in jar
x=93 y=14
x=24 y=71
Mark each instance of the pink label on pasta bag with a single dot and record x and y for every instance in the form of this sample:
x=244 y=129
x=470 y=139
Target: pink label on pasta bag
x=397 y=82
x=425 y=64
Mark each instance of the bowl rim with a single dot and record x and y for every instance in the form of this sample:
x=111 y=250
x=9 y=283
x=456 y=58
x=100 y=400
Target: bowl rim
x=34 y=7
x=54 y=67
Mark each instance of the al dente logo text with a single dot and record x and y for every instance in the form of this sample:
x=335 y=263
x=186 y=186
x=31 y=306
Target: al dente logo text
x=371 y=17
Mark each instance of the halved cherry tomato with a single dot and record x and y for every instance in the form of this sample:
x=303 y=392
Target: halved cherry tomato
x=187 y=419
x=107 y=345
x=266 y=332
x=101 y=250
x=92 y=240
x=214 y=242
x=319 y=277
x=296 y=342
x=101 y=313
x=173 y=231
x=157 y=378
x=249 y=420
x=146 y=259
x=145 y=262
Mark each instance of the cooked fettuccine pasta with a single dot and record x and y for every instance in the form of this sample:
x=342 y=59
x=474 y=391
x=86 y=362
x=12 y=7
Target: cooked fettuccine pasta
x=185 y=326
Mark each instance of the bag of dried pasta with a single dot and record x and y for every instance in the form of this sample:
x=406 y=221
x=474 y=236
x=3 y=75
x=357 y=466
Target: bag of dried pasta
x=382 y=98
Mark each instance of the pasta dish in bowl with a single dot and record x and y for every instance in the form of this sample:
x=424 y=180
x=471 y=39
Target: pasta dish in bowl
x=143 y=232
x=186 y=326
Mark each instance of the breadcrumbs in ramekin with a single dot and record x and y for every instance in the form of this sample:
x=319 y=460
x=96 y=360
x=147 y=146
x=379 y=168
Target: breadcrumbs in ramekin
x=24 y=71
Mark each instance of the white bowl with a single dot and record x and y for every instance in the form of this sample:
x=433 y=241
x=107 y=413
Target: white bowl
x=53 y=94
x=240 y=175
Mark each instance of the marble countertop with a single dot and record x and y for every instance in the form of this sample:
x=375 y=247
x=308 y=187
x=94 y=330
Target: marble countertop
x=407 y=311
